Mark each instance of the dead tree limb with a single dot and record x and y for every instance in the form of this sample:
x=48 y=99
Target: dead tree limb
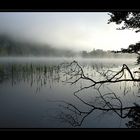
x=76 y=73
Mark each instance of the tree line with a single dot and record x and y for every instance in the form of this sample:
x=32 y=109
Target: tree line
x=101 y=53
x=11 y=47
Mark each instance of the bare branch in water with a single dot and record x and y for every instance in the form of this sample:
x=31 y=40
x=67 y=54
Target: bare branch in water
x=75 y=73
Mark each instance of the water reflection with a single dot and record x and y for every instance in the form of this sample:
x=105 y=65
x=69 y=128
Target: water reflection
x=134 y=117
x=120 y=98
x=33 y=74
x=105 y=100
x=105 y=103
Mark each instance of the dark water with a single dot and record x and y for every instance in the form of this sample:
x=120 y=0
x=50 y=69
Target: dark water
x=33 y=94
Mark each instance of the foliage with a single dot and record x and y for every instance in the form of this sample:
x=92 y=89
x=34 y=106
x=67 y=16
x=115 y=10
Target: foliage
x=130 y=20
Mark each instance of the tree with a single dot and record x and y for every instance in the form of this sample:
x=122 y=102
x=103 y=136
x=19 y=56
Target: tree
x=129 y=20
x=84 y=54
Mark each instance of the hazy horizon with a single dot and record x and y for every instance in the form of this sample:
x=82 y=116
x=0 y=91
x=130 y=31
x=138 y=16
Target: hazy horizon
x=60 y=70
x=77 y=31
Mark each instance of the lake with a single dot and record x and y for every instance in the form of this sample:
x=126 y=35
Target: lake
x=35 y=93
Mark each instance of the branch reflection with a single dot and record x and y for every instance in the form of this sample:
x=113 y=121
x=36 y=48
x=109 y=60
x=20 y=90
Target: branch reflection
x=104 y=102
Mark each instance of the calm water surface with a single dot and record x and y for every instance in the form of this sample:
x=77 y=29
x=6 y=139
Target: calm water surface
x=31 y=90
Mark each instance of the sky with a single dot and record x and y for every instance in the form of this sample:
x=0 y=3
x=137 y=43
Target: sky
x=73 y=30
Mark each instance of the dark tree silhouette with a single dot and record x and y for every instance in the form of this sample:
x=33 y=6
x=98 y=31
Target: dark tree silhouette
x=129 y=20
x=135 y=116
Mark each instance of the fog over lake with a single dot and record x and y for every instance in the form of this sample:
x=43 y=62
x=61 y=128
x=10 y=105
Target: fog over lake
x=31 y=89
x=68 y=70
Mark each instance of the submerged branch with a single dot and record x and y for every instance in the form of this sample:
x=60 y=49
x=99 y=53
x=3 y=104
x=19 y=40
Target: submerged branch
x=81 y=76
x=76 y=73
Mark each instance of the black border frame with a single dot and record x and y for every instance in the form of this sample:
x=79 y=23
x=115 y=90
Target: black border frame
x=68 y=6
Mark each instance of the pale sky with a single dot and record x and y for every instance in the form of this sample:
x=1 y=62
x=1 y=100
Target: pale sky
x=74 y=30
